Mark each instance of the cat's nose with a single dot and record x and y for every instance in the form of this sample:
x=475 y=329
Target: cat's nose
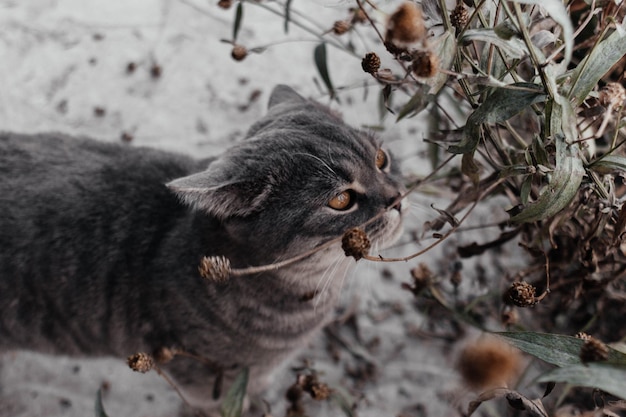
x=395 y=202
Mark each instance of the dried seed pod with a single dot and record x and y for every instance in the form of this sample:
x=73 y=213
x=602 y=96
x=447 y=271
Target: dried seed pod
x=406 y=24
x=164 y=355
x=341 y=26
x=318 y=390
x=425 y=64
x=488 y=363
x=521 y=294
x=239 y=52
x=358 y=16
x=355 y=243
x=370 y=63
x=582 y=335
x=459 y=17
x=140 y=362
x=215 y=268
x=225 y=4
x=613 y=95
x=593 y=350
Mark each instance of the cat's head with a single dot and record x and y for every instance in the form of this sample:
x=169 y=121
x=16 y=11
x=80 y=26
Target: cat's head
x=301 y=177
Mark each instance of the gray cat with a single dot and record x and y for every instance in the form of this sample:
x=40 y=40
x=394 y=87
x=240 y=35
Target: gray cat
x=100 y=243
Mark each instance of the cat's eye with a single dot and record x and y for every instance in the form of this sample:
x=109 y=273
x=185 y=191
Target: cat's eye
x=382 y=160
x=342 y=201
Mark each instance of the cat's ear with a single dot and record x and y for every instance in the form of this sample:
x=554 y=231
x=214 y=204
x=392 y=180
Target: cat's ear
x=212 y=192
x=283 y=94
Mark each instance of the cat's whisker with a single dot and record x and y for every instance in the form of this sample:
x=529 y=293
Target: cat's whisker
x=321 y=161
x=328 y=277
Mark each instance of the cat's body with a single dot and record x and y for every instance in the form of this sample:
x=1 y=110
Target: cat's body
x=99 y=257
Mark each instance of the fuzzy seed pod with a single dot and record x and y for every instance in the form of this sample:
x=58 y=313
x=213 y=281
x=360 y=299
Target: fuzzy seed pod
x=164 y=355
x=358 y=16
x=406 y=24
x=425 y=64
x=140 y=362
x=225 y=4
x=355 y=243
x=521 y=294
x=613 y=94
x=593 y=350
x=459 y=17
x=239 y=52
x=488 y=363
x=215 y=268
x=341 y=26
x=371 y=63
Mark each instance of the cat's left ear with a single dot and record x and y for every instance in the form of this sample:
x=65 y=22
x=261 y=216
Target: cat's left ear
x=211 y=191
x=283 y=94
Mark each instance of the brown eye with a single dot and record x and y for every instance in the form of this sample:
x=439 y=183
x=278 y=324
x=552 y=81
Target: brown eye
x=381 y=159
x=342 y=201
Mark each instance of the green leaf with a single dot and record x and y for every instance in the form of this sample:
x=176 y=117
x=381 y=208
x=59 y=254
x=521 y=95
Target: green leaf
x=287 y=15
x=99 y=408
x=608 y=164
x=501 y=105
x=513 y=47
x=559 y=350
x=322 y=67
x=237 y=22
x=416 y=104
x=526 y=188
x=232 y=406
x=558 y=13
x=562 y=187
x=597 y=63
x=607 y=377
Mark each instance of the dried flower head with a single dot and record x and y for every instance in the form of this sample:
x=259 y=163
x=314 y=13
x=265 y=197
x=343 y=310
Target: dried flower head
x=521 y=294
x=582 y=335
x=406 y=24
x=370 y=63
x=341 y=26
x=459 y=17
x=613 y=95
x=488 y=363
x=239 y=52
x=215 y=268
x=593 y=350
x=355 y=243
x=140 y=362
x=425 y=64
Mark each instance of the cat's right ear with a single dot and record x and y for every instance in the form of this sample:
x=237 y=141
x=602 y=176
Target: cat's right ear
x=209 y=191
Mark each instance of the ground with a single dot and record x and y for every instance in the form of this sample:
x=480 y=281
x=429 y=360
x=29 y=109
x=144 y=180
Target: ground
x=156 y=73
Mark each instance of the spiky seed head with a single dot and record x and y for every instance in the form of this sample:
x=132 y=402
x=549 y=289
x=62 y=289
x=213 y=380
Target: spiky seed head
x=593 y=350
x=582 y=336
x=613 y=94
x=521 y=294
x=318 y=390
x=140 y=362
x=425 y=64
x=239 y=52
x=215 y=268
x=370 y=63
x=459 y=16
x=355 y=243
x=406 y=24
x=341 y=26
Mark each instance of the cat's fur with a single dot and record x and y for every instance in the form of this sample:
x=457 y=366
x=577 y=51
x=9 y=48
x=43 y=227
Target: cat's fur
x=99 y=257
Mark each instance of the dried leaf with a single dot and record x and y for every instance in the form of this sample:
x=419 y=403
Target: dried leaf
x=416 y=104
x=608 y=164
x=512 y=47
x=514 y=398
